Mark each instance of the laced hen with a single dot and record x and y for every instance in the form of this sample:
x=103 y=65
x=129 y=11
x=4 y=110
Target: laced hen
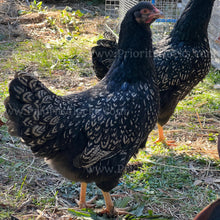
x=90 y=136
x=182 y=59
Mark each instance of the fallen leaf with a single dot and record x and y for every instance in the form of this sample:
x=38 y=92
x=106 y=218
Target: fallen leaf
x=1 y=123
x=193 y=169
x=197 y=182
x=216 y=180
x=209 y=180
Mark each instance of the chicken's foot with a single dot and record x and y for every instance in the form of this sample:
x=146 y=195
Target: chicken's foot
x=110 y=210
x=82 y=203
x=162 y=138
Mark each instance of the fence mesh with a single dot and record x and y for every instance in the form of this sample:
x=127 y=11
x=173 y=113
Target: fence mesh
x=172 y=10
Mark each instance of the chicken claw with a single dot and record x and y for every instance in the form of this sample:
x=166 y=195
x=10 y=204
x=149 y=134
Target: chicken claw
x=82 y=201
x=88 y=204
x=162 y=138
x=114 y=212
x=166 y=142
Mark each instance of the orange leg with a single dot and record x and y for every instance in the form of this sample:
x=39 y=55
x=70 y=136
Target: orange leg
x=162 y=138
x=82 y=200
x=110 y=210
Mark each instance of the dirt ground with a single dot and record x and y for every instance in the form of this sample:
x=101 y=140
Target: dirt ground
x=15 y=28
x=18 y=28
x=34 y=25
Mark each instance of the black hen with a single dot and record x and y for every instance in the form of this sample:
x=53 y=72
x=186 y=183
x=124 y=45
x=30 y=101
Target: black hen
x=182 y=59
x=210 y=212
x=91 y=136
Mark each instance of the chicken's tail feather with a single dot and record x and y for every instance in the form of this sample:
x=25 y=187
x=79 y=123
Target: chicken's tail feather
x=31 y=113
x=103 y=56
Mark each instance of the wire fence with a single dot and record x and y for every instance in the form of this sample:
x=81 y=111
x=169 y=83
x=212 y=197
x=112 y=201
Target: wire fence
x=172 y=10
x=214 y=35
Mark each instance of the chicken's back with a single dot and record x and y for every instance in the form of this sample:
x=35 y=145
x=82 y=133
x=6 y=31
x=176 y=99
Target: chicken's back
x=88 y=136
x=183 y=59
x=180 y=68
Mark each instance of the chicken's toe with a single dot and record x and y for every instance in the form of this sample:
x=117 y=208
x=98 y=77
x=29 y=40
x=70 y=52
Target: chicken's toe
x=88 y=204
x=114 y=212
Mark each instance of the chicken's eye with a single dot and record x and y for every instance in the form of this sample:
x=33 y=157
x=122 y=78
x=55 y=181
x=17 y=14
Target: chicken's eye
x=144 y=11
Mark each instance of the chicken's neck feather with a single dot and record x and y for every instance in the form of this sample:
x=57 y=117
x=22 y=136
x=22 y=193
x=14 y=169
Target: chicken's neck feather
x=193 y=23
x=134 y=59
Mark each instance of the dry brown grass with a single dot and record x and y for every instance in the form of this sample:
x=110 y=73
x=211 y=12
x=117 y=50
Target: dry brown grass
x=29 y=189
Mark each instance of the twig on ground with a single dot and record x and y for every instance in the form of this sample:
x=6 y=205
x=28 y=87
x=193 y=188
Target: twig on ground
x=197 y=114
x=118 y=195
x=185 y=131
x=28 y=3
x=208 y=168
x=28 y=165
x=34 y=168
x=25 y=203
x=2 y=12
x=181 y=168
x=8 y=145
x=64 y=203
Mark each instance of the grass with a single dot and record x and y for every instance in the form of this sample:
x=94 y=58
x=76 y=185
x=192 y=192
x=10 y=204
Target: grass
x=166 y=181
x=204 y=97
x=65 y=55
x=172 y=183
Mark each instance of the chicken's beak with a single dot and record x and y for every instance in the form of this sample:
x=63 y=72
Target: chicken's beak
x=148 y=16
x=157 y=13
x=154 y=15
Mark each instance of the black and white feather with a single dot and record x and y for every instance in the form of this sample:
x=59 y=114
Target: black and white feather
x=90 y=136
x=182 y=59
